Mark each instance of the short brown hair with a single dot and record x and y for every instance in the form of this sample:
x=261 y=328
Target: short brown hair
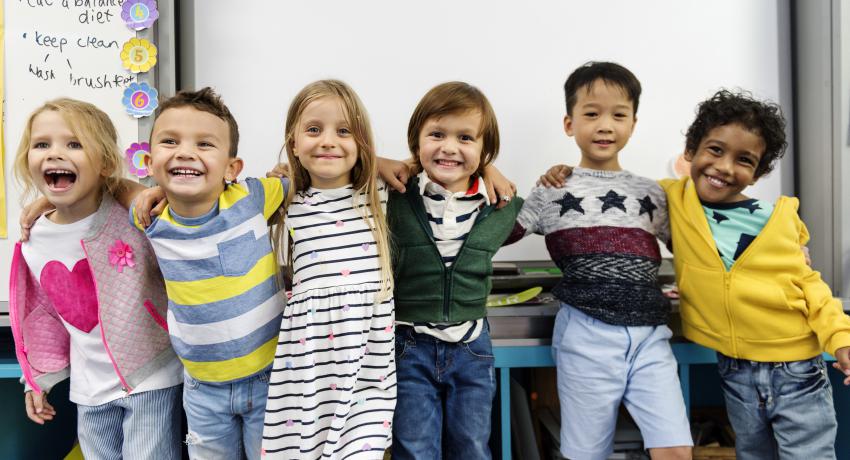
x=204 y=100
x=450 y=98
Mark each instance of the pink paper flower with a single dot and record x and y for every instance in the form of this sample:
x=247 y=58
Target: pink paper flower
x=121 y=254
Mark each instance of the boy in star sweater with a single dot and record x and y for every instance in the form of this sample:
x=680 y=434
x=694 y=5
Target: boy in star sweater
x=610 y=342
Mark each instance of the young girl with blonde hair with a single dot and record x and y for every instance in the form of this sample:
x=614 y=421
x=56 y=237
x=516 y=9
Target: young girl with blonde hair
x=333 y=387
x=87 y=300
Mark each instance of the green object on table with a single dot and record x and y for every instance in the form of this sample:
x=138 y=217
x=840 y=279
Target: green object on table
x=513 y=299
x=547 y=270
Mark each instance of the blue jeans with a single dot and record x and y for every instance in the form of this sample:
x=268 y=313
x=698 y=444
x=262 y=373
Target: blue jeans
x=779 y=410
x=138 y=426
x=445 y=397
x=225 y=420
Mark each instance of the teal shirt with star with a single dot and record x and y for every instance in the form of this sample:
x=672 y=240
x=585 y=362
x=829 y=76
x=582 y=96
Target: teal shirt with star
x=735 y=225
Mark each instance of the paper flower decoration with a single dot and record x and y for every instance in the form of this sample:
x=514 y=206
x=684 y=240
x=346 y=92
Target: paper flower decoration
x=140 y=99
x=138 y=55
x=136 y=158
x=121 y=255
x=139 y=14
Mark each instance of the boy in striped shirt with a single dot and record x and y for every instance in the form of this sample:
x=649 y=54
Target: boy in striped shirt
x=213 y=247
x=445 y=233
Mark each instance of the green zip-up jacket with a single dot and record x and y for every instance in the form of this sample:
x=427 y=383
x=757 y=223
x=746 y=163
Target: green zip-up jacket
x=425 y=289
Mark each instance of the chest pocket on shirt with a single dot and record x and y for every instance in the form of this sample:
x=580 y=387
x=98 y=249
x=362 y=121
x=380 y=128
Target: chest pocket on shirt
x=239 y=255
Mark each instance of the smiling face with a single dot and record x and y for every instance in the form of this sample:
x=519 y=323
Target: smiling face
x=324 y=144
x=190 y=160
x=450 y=149
x=725 y=163
x=602 y=122
x=61 y=170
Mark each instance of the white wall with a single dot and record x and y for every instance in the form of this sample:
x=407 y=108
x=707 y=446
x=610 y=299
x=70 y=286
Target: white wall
x=259 y=54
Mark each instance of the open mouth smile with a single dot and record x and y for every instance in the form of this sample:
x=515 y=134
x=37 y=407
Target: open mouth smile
x=59 y=180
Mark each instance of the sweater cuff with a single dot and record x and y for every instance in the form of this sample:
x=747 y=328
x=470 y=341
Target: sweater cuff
x=838 y=340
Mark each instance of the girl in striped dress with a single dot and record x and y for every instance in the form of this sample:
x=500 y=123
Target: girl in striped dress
x=332 y=390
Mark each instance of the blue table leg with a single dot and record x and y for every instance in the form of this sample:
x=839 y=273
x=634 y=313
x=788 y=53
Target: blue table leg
x=685 y=381
x=505 y=404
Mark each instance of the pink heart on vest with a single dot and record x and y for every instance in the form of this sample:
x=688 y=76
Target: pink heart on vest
x=72 y=293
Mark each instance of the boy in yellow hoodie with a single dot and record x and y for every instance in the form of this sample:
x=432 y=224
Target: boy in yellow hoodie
x=746 y=290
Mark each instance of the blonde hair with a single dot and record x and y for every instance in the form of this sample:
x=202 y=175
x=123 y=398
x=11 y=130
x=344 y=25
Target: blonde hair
x=95 y=131
x=363 y=174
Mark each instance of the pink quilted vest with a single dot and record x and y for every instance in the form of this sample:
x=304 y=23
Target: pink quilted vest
x=131 y=306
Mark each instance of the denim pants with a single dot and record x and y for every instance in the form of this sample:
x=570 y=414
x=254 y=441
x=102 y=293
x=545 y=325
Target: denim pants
x=225 y=421
x=780 y=410
x=138 y=426
x=445 y=397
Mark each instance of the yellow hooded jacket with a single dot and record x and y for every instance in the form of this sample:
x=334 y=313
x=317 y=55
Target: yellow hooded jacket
x=770 y=306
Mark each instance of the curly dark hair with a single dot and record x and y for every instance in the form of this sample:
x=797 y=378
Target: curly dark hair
x=762 y=118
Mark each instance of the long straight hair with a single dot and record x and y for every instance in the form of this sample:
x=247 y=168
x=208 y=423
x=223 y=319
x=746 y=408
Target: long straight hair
x=363 y=175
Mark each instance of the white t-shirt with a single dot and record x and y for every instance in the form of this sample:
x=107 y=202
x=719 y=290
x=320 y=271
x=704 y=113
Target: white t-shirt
x=54 y=254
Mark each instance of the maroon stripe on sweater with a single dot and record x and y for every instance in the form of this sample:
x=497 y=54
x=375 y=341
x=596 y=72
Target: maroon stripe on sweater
x=602 y=240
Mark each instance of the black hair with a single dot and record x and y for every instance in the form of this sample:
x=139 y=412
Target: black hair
x=759 y=117
x=609 y=72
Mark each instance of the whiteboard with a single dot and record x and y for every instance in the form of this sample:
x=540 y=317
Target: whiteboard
x=259 y=54
x=57 y=48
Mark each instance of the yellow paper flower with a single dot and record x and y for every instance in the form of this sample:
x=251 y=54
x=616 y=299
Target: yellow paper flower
x=138 y=55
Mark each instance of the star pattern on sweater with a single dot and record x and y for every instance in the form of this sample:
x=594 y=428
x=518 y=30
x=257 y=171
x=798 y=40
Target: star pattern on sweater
x=751 y=206
x=612 y=200
x=718 y=217
x=647 y=206
x=570 y=202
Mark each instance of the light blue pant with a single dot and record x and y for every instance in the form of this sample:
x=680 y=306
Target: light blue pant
x=139 y=426
x=600 y=365
x=225 y=420
x=780 y=410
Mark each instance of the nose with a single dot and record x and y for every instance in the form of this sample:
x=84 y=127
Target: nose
x=328 y=140
x=55 y=153
x=186 y=152
x=449 y=146
x=724 y=164
x=605 y=124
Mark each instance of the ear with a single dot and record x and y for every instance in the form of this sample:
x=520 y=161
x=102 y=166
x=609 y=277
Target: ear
x=234 y=167
x=148 y=161
x=689 y=155
x=568 y=125
x=633 y=126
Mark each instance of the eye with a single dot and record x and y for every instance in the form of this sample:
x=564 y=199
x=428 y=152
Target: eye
x=168 y=141
x=313 y=130
x=75 y=145
x=590 y=114
x=41 y=145
x=620 y=115
x=715 y=150
x=344 y=132
x=746 y=160
x=467 y=138
x=436 y=134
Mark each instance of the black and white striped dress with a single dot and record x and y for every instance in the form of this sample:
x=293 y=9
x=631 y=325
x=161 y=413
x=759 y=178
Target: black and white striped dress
x=332 y=390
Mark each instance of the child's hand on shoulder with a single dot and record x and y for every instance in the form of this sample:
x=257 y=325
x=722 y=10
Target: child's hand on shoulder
x=31 y=213
x=500 y=190
x=556 y=176
x=842 y=357
x=395 y=173
x=280 y=170
x=149 y=202
x=38 y=409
